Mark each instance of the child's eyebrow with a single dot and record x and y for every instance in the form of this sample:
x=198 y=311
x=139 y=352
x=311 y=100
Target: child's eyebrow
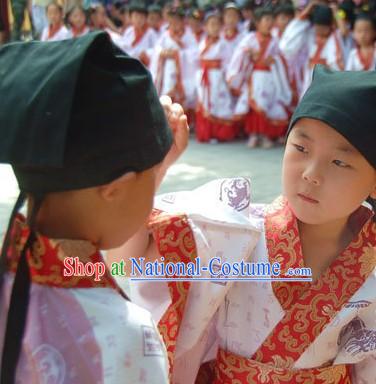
x=342 y=147
x=304 y=135
x=345 y=148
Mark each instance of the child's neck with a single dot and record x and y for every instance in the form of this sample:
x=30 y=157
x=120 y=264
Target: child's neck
x=367 y=47
x=322 y=243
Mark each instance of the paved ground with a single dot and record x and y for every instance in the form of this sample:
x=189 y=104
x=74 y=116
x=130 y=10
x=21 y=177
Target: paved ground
x=199 y=164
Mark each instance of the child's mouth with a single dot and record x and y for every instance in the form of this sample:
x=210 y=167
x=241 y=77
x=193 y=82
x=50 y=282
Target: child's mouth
x=307 y=199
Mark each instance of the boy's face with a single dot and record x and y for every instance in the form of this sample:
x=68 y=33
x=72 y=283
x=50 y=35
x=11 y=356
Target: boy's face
x=77 y=18
x=99 y=17
x=324 y=177
x=54 y=15
x=154 y=20
x=176 y=24
x=364 y=33
x=322 y=31
x=265 y=24
x=231 y=18
x=194 y=24
x=281 y=21
x=138 y=19
x=213 y=26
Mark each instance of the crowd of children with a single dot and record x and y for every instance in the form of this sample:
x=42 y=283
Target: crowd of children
x=236 y=71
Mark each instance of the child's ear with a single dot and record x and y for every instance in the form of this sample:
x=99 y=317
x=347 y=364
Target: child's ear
x=111 y=190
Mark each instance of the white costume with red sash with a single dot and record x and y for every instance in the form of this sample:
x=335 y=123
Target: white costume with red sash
x=55 y=34
x=139 y=44
x=174 y=76
x=261 y=332
x=356 y=61
x=263 y=87
x=215 y=102
x=299 y=45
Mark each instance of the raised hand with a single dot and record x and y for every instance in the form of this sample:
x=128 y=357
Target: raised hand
x=178 y=123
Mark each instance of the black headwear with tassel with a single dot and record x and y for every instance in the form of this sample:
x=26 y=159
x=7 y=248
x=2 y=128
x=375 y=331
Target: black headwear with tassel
x=78 y=113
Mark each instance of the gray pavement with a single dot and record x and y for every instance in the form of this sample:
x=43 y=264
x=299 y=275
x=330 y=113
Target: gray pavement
x=199 y=164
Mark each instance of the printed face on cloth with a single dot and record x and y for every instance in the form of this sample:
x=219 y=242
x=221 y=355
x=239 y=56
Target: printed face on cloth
x=329 y=162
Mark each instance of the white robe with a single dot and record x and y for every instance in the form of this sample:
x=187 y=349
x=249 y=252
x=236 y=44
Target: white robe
x=165 y=72
x=213 y=93
x=145 y=45
x=61 y=34
x=354 y=62
x=239 y=316
x=298 y=46
x=269 y=89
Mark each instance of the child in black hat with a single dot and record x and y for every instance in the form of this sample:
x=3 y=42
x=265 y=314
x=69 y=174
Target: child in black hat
x=88 y=145
x=285 y=328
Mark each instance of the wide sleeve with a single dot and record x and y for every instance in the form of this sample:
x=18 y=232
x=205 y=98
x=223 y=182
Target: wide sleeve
x=240 y=65
x=208 y=224
x=294 y=38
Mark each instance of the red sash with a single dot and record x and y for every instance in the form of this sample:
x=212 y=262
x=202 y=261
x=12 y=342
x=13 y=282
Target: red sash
x=367 y=62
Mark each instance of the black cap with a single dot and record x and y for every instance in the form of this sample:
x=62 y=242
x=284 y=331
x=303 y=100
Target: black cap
x=177 y=11
x=345 y=100
x=77 y=113
x=138 y=6
x=322 y=15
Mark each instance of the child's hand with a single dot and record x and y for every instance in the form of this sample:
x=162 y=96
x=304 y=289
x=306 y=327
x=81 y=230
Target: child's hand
x=255 y=55
x=269 y=60
x=177 y=120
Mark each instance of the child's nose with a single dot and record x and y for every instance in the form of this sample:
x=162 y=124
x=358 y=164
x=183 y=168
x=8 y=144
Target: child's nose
x=312 y=175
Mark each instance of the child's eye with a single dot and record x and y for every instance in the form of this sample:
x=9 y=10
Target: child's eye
x=341 y=164
x=300 y=148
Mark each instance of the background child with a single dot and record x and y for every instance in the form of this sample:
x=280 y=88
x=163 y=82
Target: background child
x=155 y=18
x=363 y=57
x=77 y=20
x=215 y=104
x=310 y=39
x=195 y=21
x=258 y=74
x=139 y=40
x=56 y=29
x=175 y=62
x=231 y=26
x=283 y=14
x=88 y=186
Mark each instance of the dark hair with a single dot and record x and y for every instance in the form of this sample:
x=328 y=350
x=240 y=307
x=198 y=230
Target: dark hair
x=262 y=12
x=366 y=16
x=284 y=9
x=58 y=6
x=71 y=10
